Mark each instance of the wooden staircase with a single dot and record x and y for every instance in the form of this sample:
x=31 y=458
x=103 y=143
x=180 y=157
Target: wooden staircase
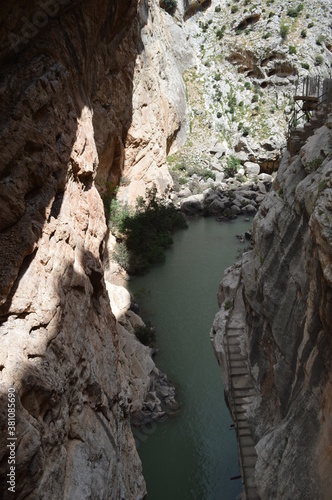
x=312 y=106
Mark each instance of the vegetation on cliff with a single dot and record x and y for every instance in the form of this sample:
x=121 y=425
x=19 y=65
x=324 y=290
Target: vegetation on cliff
x=143 y=233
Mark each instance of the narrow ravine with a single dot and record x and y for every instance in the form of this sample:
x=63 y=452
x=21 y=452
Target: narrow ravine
x=194 y=455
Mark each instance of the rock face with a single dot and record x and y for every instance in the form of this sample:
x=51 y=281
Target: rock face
x=159 y=121
x=70 y=92
x=284 y=288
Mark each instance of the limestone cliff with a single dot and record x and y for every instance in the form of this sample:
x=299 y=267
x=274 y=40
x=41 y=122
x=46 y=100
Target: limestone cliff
x=279 y=299
x=70 y=102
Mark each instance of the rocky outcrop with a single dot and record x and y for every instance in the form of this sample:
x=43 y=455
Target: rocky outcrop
x=159 y=121
x=74 y=94
x=283 y=286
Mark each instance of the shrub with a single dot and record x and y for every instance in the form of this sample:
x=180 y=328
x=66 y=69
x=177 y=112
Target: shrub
x=305 y=66
x=247 y=85
x=234 y=9
x=121 y=255
x=254 y=98
x=146 y=334
x=313 y=164
x=311 y=25
x=320 y=39
x=319 y=59
x=245 y=131
x=219 y=115
x=217 y=9
x=233 y=164
x=217 y=77
x=292 y=49
x=284 y=30
x=228 y=305
x=266 y=35
x=303 y=33
x=169 y=5
x=295 y=11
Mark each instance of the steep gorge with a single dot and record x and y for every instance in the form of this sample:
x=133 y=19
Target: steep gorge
x=92 y=92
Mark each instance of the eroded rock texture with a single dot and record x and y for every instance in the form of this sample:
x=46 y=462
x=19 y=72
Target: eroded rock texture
x=67 y=83
x=284 y=290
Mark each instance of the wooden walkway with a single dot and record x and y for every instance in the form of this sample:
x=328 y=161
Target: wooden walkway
x=312 y=103
x=241 y=394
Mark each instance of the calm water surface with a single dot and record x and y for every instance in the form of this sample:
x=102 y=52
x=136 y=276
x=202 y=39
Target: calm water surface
x=192 y=456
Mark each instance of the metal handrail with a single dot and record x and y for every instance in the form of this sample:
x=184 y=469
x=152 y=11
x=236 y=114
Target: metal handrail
x=231 y=394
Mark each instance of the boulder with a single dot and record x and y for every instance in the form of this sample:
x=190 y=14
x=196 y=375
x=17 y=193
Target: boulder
x=193 y=205
x=250 y=209
x=220 y=176
x=265 y=177
x=119 y=298
x=251 y=169
x=216 y=207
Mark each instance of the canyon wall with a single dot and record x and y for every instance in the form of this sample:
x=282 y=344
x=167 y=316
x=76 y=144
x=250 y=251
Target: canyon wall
x=75 y=98
x=279 y=296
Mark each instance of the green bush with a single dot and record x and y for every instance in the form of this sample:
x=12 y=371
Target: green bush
x=144 y=233
x=295 y=11
x=255 y=98
x=247 y=85
x=217 y=9
x=245 y=131
x=284 y=30
x=311 y=25
x=234 y=9
x=219 y=115
x=169 y=5
x=220 y=33
x=217 y=77
x=320 y=39
x=305 y=66
x=266 y=35
x=146 y=334
x=292 y=49
x=233 y=165
x=319 y=59
x=303 y=33
x=228 y=305
x=313 y=165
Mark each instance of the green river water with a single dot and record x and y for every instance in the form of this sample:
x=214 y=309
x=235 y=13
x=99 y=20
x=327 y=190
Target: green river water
x=191 y=456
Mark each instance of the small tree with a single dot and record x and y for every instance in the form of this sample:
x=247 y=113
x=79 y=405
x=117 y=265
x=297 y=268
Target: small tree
x=169 y=5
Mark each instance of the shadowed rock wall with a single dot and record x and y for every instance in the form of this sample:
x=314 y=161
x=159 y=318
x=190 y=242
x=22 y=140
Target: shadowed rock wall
x=66 y=75
x=281 y=295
